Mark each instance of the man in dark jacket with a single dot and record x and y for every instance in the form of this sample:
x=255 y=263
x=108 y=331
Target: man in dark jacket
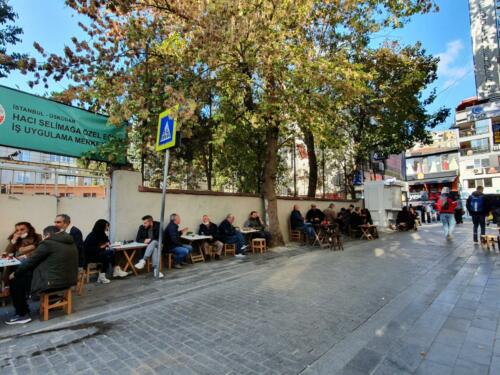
x=63 y=222
x=148 y=233
x=476 y=205
x=315 y=215
x=52 y=266
x=173 y=243
x=207 y=228
x=255 y=222
x=229 y=234
x=297 y=222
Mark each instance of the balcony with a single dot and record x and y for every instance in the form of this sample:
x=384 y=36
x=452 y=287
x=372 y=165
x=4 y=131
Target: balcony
x=471 y=132
x=473 y=151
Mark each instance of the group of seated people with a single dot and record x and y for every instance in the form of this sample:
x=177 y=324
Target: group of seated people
x=225 y=233
x=406 y=219
x=51 y=261
x=344 y=220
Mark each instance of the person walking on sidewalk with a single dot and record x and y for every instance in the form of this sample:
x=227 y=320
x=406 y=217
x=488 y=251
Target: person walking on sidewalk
x=476 y=206
x=446 y=207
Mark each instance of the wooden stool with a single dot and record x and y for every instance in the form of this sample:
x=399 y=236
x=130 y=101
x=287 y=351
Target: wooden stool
x=229 y=248
x=170 y=262
x=488 y=241
x=80 y=282
x=295 y=235
x=259 y=245
x=91 y=269
x=336 y=243
x=65 y=302
x=211 y=251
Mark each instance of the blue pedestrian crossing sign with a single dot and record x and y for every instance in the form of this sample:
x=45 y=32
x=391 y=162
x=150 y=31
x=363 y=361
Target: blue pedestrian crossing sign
x=167 y=124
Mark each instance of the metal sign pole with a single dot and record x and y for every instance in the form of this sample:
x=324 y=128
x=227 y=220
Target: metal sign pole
x=162 y=214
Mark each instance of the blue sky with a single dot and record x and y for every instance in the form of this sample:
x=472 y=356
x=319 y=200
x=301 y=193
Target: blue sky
x=446 y=34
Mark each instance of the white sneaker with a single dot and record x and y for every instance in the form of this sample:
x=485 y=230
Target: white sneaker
x=140 y=264
x=240 y=256
x=117 y=272
x=244 y=247
x=160 y=275
x=102 y=278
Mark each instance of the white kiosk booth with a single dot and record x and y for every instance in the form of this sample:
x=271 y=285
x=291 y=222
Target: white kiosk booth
x=384 y=199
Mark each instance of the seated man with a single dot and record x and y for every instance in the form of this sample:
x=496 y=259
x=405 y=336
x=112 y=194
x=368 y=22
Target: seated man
x=207 y=228
x=255 y=222
x=149 y=233
x=357 y=218
x=63 y=222
x=367 y=216
x=54 y=266
x=404 y=220
x=297 y=222
x=330 y=214
x=173 y=243
x=228 y=234
x=315 y=215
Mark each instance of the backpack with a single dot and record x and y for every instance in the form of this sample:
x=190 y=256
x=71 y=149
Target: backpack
x=477 y=203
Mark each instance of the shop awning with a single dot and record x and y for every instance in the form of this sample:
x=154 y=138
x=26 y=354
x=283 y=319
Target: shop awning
x=440 y=180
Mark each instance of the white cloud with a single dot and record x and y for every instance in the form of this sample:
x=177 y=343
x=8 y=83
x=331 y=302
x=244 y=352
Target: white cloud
x=448 y=68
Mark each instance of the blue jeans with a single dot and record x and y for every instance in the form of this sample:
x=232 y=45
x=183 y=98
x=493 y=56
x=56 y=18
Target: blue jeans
x=478 y=220
x=237 y=239
x=448 y=221
x=180 y=253
x=151 y=250
x=308 y=229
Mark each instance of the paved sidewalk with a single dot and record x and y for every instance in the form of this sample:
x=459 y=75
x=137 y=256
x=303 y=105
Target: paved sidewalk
x=408 y=303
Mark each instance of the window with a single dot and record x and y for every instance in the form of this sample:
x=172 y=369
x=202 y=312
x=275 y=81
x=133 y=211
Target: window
x=488 y=182
x=482 y=126
x=475 y=146
x=471 y=184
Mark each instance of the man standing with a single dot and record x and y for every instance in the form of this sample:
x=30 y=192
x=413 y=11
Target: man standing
x=207 y=228
x=63 y=223
x=148 y=233
x=255 y=222
x=230 y=235
x=173 y=243
x=476 y=205
x=54 y=265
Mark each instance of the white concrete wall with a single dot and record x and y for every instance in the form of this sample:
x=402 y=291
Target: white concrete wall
x=37 y=209
x=84 y=212
x=128 y=205
x=40 y=211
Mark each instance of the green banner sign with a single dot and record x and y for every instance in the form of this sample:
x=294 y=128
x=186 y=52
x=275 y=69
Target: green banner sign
x=35 y=123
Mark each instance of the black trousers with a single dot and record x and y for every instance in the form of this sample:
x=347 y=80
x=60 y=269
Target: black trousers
x=19 y=291
x=479 y=221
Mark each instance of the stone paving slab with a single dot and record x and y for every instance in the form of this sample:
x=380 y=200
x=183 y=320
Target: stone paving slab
x=408 y=303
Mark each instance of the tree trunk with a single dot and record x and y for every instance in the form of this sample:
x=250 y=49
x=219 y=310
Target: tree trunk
x=313 y=163
x=269 y=183
x=210 y=166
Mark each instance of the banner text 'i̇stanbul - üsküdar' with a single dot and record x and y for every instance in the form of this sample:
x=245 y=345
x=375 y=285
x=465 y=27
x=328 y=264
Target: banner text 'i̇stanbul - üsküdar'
x=34 y=123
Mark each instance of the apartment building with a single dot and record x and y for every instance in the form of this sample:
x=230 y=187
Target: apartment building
x=478 y=125
x=431 y=167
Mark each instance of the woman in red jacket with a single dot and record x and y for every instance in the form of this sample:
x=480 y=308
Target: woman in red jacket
x=446 y=207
